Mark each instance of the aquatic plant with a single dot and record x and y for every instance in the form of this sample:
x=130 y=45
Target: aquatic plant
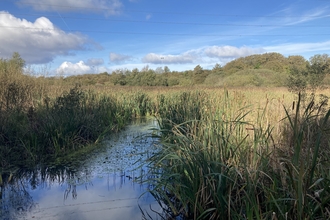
x=225 y=166
x=57 y=126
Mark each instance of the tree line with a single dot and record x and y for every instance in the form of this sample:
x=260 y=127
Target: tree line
x=268 y=69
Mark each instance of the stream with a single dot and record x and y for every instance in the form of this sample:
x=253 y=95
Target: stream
x=105 y=184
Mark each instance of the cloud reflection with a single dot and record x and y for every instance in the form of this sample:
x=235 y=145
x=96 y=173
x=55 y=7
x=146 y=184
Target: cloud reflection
x=104 y=186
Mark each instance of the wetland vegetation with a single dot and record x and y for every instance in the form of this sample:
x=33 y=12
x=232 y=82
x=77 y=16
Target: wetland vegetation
x=253 y=152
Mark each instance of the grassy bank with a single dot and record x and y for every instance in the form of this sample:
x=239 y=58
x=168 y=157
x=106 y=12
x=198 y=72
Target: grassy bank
x=41 y=124
x=234 y=155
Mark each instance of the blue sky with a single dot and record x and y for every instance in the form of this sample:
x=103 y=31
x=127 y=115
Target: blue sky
x=90 y=36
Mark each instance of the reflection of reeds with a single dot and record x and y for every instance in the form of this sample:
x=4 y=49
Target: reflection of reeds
x=227 y=164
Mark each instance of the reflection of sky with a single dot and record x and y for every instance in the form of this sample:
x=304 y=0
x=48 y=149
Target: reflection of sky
x=103 y=188
x=106 y=198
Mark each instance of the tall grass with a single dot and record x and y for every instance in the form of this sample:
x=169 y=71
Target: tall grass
x=33 y=130
x=304 y=161
x=227 y=166
x=184 y=109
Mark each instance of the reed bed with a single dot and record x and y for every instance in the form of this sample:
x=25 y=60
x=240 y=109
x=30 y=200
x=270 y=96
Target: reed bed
x=228 y=156
x=39 y=125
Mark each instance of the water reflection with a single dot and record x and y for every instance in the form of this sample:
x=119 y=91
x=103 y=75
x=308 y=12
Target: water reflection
x=104 y=185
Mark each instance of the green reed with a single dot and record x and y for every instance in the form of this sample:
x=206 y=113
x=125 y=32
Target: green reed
x=179 y=108
x=38 y=130
x=304 y=162
x=221 y=165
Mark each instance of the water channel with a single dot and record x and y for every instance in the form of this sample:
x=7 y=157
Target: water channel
x=105 y=184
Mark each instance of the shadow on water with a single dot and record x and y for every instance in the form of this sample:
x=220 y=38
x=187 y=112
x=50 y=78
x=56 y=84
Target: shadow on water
x=107 y=184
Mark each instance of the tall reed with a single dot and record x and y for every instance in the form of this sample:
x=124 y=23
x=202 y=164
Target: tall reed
x=223 y=166
x=55 y=126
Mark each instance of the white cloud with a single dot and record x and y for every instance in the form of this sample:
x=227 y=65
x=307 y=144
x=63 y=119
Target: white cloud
x=230 y=51
x=39 y=41
x=209 y=54
x=108 y=7
x=187 y=57
x=95 y=61
x=68 y=68
x=117 y=58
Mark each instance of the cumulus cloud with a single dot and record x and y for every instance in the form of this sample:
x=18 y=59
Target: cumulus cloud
x=109 y=7
x=39 y=41
x=117 y=58
x=95 y=61
x=169 y=59
x=79 y=68
x=230 y=51
x=68 y=68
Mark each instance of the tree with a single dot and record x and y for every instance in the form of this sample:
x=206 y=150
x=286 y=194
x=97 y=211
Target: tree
x=118 y=77
x=297 y=61
x=301 y=79
x=166 y=69
x=17 y=60
x=159 y=70
x=217 y=69
x=198 y=76
x=318 y=67
x=297 y=80
x=13 y=66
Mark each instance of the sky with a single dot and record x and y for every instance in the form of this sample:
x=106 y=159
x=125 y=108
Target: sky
x=71 y=37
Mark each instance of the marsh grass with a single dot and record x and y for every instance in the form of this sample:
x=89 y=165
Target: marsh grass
x=184 y=109
x=224 y=165
x=35 y=130
x=304 y=161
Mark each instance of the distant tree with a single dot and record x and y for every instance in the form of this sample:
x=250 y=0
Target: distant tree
x=318 y=67
x=17 y=61
x=297 y=61
x=198 y=76
x=148 y=78
x=133 y=77
x=12 y=66
x=145 y=68
x=297 y=80
x=118 y=78
x=272 y=61
x=217 y=69
x=274 y=65
x=166 y=69
x=198 y=70
x=234 y=66
x=308 y=78
x=159 y=70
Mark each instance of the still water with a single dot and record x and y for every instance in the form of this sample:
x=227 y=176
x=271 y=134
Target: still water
x=105 y=184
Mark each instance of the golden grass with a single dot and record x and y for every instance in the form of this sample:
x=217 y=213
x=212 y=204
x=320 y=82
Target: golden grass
x=268 y=102
x=241 y=136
